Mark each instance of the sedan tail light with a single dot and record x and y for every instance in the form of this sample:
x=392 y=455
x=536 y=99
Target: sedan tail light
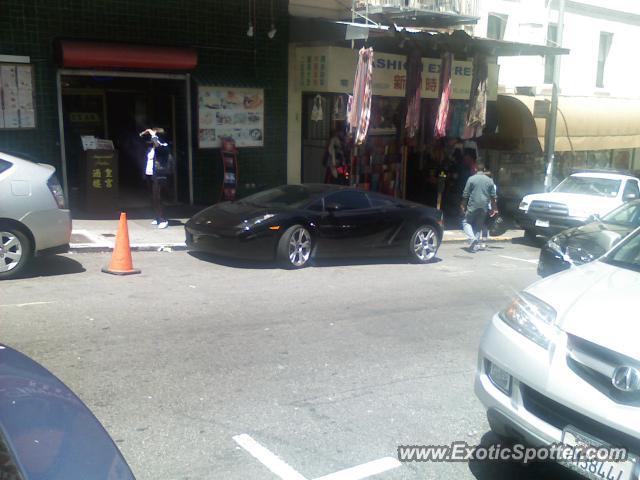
x=56 y=190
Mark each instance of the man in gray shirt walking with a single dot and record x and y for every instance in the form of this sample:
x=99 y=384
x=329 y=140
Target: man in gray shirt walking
x=479 y=193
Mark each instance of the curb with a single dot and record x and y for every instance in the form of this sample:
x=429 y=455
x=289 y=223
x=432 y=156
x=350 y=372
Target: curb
x=87 y=248
x=465 y=240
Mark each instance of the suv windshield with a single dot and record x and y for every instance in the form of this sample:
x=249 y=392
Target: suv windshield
x=603 y=187
x=285 y=196
x=626 y=255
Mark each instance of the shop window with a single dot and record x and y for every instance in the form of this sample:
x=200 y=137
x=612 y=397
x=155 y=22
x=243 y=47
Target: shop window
x=622 y=159
x=549 y=60
x=496 y=26
x=599 y=159
x=606 y=39
x=348 y=200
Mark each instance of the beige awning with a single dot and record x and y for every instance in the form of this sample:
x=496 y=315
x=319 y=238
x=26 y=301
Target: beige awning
x=584 y=123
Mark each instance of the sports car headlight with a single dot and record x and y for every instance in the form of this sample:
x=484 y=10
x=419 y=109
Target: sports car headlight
x=531 y=317
x=247 y=224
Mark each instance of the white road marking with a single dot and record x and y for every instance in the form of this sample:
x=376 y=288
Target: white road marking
x=520 y=259
x=268 y=459
x=19 y=305
x=365 y=470
x=287 y=472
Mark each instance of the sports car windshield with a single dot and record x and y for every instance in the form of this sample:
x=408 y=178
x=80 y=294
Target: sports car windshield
x=284 y=196
x=627 y=255
x=603 y=187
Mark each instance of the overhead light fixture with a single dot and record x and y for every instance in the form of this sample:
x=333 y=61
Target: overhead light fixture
x=250 y=30
x=272 y=32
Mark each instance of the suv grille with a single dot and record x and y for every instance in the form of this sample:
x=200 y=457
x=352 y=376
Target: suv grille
x=559 y=416
x=595 y=365
x=553 y=209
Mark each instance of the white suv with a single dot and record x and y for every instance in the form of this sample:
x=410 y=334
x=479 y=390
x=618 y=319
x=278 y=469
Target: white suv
x=561 y=363
x=574 y=200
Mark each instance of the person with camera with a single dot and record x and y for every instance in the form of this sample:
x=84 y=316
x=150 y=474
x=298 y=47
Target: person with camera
x=159 y=165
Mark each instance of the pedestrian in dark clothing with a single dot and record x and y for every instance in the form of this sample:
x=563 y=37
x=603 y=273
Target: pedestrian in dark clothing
x=159 y=164
x=479 y=193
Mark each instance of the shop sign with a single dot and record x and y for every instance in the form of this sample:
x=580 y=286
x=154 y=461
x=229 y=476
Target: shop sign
x=332 y=69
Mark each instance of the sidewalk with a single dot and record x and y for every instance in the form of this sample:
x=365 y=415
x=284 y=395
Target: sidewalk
x=99 y=235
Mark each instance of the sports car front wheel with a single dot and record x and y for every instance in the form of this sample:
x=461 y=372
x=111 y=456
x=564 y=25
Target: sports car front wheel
x=424 y=244
x=294 y=247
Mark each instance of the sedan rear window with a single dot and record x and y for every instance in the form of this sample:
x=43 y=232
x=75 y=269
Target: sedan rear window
x=602 y=187
x=4 y=165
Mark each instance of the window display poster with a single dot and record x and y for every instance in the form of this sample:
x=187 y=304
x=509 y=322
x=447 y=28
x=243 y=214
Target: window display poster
x=16 y=97
x=230 y=112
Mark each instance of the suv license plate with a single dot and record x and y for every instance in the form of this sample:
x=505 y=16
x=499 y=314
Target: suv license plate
x=594 y=468
x=542 y=223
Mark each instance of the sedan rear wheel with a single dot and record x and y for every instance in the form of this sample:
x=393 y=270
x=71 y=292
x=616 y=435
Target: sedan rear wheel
x=424 y=244
x=15 y=250
x=294 y=247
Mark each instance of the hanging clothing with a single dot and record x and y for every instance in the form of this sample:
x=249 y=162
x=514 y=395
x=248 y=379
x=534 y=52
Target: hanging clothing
x=477 y=114
x=443 y=110
x=317 y=112
x=414 y=84
x=458 y=118
x=359 y=112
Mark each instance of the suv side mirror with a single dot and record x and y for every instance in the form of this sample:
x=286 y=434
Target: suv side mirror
x=332 y=207
x=629 y=196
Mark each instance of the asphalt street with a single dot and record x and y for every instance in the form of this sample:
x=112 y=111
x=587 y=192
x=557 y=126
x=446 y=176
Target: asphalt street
x=329 y=367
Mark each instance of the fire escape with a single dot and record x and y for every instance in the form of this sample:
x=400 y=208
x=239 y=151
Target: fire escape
x=420 y=14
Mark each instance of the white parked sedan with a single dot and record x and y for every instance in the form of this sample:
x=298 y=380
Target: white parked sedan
x=561 y=363
x=33 y=217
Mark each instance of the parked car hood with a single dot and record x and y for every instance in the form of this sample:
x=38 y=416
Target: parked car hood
x=50 y=431
x=597 y=302
x=593 y=203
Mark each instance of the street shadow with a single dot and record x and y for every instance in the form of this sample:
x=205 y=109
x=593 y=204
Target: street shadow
x=505 y=470
x=538 y=242
x=314 y=263
x=232 y=262
x=51 y=266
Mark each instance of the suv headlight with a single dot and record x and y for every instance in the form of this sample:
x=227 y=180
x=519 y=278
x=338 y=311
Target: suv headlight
x=524 y=206
x=531 y=317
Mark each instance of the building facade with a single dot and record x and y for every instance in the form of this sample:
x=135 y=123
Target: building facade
x=240 y=47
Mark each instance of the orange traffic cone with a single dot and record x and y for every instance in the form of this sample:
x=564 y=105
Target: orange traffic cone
x=121 y=262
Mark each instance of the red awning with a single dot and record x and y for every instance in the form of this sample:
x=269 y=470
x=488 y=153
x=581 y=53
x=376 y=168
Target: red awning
x=113 y=55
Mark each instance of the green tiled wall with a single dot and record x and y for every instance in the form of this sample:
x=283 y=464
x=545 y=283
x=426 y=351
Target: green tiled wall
x=216 y=28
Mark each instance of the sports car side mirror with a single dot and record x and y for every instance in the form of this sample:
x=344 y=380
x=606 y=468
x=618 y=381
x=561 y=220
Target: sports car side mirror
x=332 y=207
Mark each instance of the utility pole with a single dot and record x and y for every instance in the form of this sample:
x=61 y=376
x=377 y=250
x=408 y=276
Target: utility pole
x=550 y=134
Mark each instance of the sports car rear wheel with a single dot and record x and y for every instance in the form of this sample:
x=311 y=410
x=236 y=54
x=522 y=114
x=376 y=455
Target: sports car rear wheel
x=424 y=244
x=294 y=247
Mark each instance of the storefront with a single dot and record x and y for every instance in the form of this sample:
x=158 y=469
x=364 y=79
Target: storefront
x=123 y=68
x=324 y=77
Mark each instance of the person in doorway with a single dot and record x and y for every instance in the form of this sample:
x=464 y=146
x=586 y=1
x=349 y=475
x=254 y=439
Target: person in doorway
x=479 y=192
x=334 y=160
x=157 y=168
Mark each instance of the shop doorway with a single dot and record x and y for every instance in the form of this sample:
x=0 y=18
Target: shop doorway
x=117 y=108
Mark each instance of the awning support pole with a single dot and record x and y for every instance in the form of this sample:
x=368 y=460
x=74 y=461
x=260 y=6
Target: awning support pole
x=550 y=134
